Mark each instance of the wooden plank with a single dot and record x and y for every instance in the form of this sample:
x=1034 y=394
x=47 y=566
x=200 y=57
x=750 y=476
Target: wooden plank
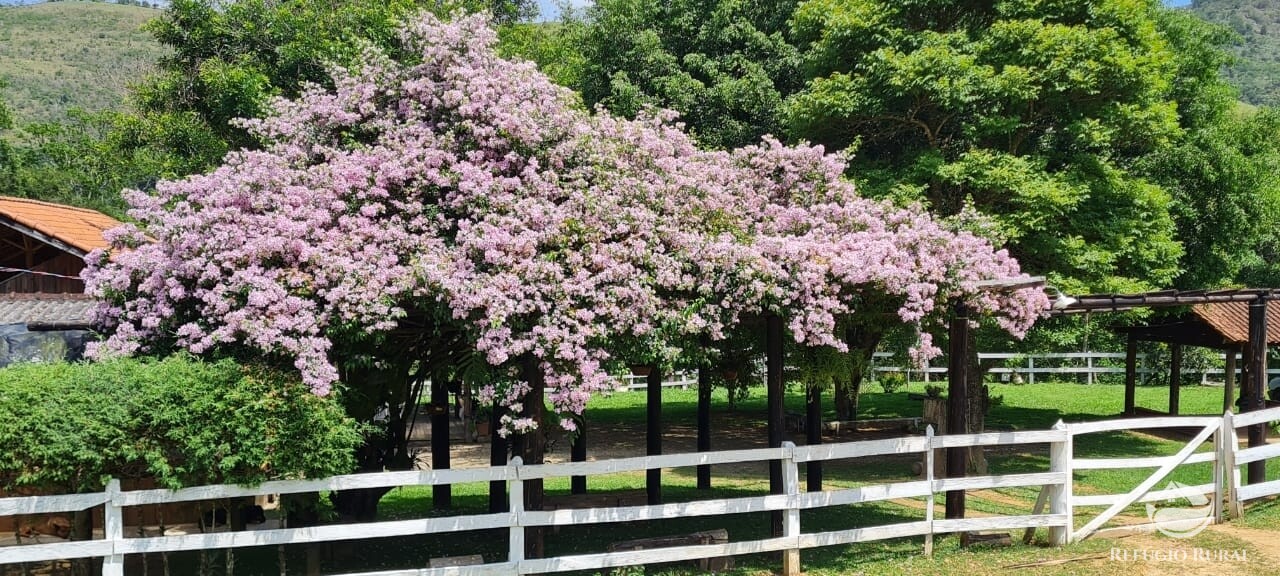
x=1061 y=496
x=1143 y=462
x=503 y=569
x=1257 y=453
x=347 y=482
x=1153 y=496
x=861 y=494
x=451 y=561
x=1251 y=491
x=1041 y=500
x=904 y=445
x=791 y=518
x=998 y=438
x=1143 y=423
x=637 y=557
x=1259 y=417
x=113 y=530
x=869 y=534
x=930 y=499
x=1006 y=481
x=649 y=462
x=999 y=523
x=1231 y=442
x=56 y=551
x=656 y=512
x=515 y=541
x=326 y=533
x=24 y=505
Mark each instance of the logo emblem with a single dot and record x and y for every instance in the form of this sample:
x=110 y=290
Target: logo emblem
x=1184 y=514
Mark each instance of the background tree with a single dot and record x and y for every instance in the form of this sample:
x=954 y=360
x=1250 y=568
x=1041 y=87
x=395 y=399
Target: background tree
x=1029 y=111
x=724 y=65
x=1223 y=169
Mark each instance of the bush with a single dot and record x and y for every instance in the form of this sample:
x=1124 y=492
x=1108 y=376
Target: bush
x=891 y=382
x=181 y=421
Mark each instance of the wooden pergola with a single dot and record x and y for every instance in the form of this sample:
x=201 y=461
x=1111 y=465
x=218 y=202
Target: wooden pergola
x=1235 y=321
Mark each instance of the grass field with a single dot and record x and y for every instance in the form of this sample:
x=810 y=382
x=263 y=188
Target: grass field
x=1023 y=407
x=61 y=55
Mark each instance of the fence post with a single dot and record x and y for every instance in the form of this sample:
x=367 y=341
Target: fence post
x=1060 y=454
x=791 y=523
x=1230 y=473
x=515 y=542
x=1219 y=463
x=113 y=530
x=1088 y=363
x=1031 y=369
x=929 y=479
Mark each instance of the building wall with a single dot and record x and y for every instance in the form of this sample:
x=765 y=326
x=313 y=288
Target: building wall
x=63 y=264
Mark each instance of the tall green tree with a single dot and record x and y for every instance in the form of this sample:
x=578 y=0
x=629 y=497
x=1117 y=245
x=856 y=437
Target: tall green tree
x=1223 y=172
x=724 y=65
x=1031 y=112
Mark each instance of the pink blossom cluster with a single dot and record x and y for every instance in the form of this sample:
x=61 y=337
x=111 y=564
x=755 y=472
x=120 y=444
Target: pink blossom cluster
x=471 y=189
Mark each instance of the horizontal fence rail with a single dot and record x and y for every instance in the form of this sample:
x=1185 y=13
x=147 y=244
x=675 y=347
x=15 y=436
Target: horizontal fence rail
x=1056 y=484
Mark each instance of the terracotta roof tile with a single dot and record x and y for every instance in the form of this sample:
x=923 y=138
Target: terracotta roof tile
x=80 y=228
x=1231 y=319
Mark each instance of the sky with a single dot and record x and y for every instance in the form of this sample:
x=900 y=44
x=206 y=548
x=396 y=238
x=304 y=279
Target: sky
x=549 y=9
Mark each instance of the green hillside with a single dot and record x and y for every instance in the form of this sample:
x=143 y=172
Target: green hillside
x=1258 y=22
x=62 y=55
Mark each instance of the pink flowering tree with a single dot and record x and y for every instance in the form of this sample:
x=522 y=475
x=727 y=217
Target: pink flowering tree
x=462 y=198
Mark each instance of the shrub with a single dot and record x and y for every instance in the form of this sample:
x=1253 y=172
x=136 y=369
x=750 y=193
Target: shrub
x=891 y=382
x=180 y=421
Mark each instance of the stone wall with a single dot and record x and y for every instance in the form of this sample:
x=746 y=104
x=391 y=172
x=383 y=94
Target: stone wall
x=18 y=344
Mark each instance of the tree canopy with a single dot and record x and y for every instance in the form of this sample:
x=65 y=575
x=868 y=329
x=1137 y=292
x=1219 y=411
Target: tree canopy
x=1029 y=111
x=724 y=65
x=442 y=186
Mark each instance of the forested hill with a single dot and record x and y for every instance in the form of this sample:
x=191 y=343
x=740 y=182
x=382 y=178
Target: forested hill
x=1258 y=22
x=61 y=55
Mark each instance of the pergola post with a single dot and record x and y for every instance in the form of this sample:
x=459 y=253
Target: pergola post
x=1229 y=381
x=532 y=450
x=497 y=457
x=578 y=453
x=1257 y=382
x=441 y=494
x=813 y=437
x=957 y=403
x=704 y=424
x=1130 y=375
x=653 y=433
x=1175 y=377
x=774 y=360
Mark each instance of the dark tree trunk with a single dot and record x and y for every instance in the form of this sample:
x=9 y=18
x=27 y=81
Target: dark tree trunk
x=361 y=505
x=704 y=424
x=775 y=362
x=442 y=494
x=979 y=402
x=532 y=447
x=862 y=342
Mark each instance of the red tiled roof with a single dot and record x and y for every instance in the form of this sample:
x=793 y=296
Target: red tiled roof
x=79 y=228
x=1231 y=319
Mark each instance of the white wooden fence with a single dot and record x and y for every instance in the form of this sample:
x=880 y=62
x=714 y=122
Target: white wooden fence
x=1087 y=364
x=1056 y=483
